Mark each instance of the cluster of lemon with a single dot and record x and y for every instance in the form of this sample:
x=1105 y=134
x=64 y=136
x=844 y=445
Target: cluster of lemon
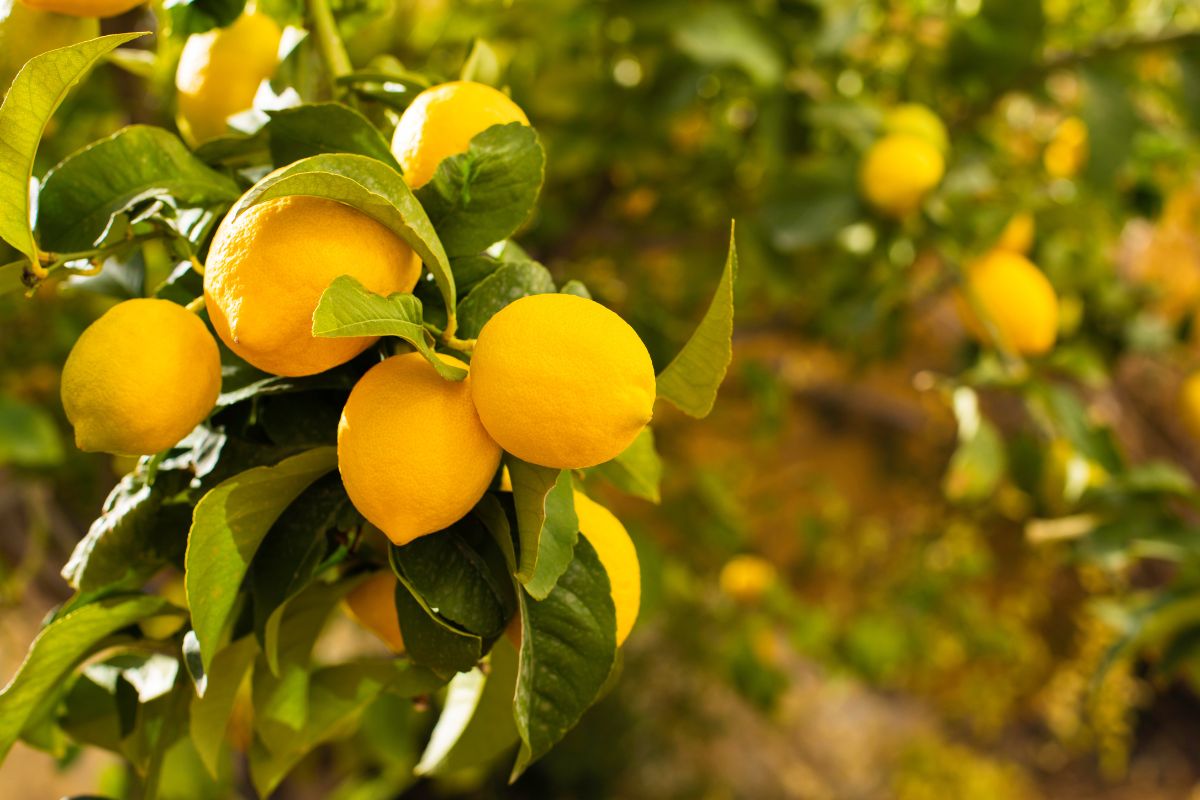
x=556 y=380
x=1005 y=299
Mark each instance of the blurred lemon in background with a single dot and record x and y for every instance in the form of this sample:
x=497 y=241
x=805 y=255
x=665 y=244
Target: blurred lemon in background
x=616 y=552
x=899 y=171
x=84 y=8
x=373 y=605
x=746 y=578
x=1017 y=299
x=917 y=120
x=26 y=32
x=1068 y=149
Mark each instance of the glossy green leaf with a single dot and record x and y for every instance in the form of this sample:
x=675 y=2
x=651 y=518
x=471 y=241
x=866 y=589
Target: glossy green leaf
x=316 y=128
x=228 y=526
x=572 y=632
x=12 y=276
x=29 y=436
x=546 y=523
x=511 y=281
x=80 y=196
x=36 y=92
x=373 y=188
x=727 y=33
x=636 y=471
x=431 y=641
x=211 y=711
x=481 y=196
x=60 y=647
x=347 y=308
x=691 y=380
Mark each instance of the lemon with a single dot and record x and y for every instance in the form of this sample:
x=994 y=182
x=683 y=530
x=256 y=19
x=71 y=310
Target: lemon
x=615 y=549
x=84 y=8
x=373 y=605
x=220 y=71
x=1018 y=233
x=140 y=378
x=268 y=266
x=26 y=32
x=746 y=578
x=413 y=455
x=917 y=120
x=561 y=381
x=442 y=120
x=1189 y=403
x=1017 y=299
x=1068 y=150
x=899 y=171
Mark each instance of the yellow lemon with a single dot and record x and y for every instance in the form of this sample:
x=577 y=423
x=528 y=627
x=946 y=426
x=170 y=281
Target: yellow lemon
x=746 y=578
x=561 y=381
x=1189 y=403
x=917 y=120
x=617 y=554
x=1017 y=299
x=220 y=71
x=26 y=32
x=140 y=378
x=372 y=604
x=84 y=8
x=441 y=122
x=898 y=171
x=413 y=455
x=1068 y=150
x=268 y=266
x=1017 y=236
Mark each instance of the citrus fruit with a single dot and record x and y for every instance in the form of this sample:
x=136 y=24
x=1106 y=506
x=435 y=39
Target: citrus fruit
x=561 y=381
x=1018 y=233
x=917 y=120
x=898 y=171
x=413 y=455
x=615 y=549
x=442 y=120
x=1189 y=402
x=746 y=578
x=220 y=71
x=84 y=8
x=1017 y=299
x=26 y=32
x=373 y=605
x=1068 y=149
x=140 y=378
x=269 y=265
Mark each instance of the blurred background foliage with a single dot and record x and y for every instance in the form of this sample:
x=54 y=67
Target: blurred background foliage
x=893 y=563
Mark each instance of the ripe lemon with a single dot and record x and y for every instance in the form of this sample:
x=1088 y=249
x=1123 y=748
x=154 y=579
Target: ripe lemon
x=1068 y=150
x=26 y=32
x=84 y=8
x=561 y=381
x=617 y=554
x=746 y=578
x=140 y=378
x=413 y=455
x=372 y=604
x=898 y=171
x=441 y=122
x=1189 y=403
x=220 y=71
x=1018 y=233
x=268 y=266
x=1016 y=297
x=917 y=120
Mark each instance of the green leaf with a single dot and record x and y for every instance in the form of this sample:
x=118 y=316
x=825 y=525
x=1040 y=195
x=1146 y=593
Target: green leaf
x=482 y=65
x=476 y=724
x=80 y=196
x=347 y=308
x=980 y=461
x=812 y=205
x=461 y=575
x=227 y=528
x=691 y=381
x=720 y=34
x=28 y=436
x=12 y=276
x=36 y=92
x=636 y=471
x=481 y=196
x=510 y=282
x=1111 y=120
x=470 y=270
x=570 y=633
x=337 y=697
x=211 y=711
x=546 y=523
x=133 y=537
x=373 y=188
x=61 y=646
x=428 y=639
x=188 y=17
x=315 y=128
x=576 y=288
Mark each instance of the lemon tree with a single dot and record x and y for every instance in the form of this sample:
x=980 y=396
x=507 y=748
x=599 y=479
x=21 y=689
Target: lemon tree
x=353 y=396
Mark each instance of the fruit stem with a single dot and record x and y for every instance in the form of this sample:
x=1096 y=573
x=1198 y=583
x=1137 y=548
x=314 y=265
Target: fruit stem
x=461 y=345
x=196 y=306
x=333 y=51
